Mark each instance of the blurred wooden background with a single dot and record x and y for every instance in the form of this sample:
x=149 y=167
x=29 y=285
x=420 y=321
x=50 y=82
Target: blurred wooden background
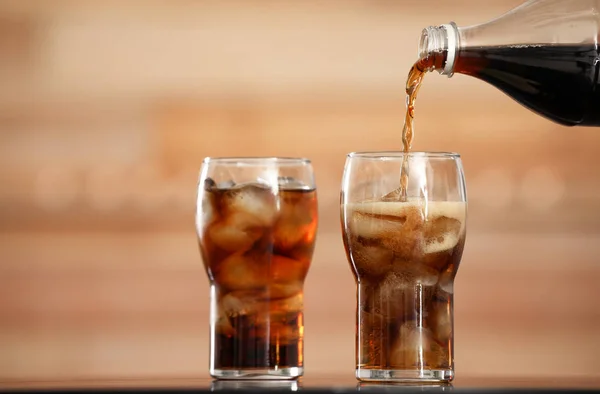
x=108 y=107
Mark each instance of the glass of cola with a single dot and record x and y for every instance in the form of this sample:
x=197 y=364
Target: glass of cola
x=256 y=222
x=404 y=245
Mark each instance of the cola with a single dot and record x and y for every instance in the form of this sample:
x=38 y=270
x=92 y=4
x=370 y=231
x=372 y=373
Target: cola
x=257 y=242
x=559 y=82
x=405 y=256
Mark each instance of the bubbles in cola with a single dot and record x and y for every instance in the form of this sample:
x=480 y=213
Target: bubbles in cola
x=405 y=255
x=257 y=242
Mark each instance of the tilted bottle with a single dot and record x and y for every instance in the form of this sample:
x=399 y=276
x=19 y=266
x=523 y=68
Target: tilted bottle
x=545 y=54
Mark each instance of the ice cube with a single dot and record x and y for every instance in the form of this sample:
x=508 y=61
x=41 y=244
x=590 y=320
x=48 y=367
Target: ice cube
x=408 y=243
x=279 y=276
x=209 y=184
x=373 y=227
x=290 y=183
x=259 y=302
x=370 y=260
x=411 y=273
x=415 y=347
x=254 y=200
x=302 y=252
x=287 y=235
x=284 y=290
x=226 y=185
x=243 y=272
x=265 y=312
x=392 y=299
x=295 y=223
x=223 y=324
x=207 y=213
x=207 y=204
x=286 y=271
x=410 y=347
x=242 y=303
x=419 y=281
x=237 y=232
x=235 y=304
x=286 y=306
x=402 y=294
x=440 y=321
x=446 y=282
x=277 y=319
x=438 y=261
x=397 y=225
x=441 y=234
x=438 y=356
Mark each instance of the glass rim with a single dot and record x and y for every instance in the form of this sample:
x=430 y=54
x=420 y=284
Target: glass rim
x=386 y=155
x=256 y=160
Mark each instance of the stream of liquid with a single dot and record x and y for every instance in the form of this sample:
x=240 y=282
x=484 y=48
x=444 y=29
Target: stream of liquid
x=413 y=84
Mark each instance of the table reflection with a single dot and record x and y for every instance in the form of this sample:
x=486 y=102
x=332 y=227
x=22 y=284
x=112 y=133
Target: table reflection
x=296 y=385
x=374 y=387
x=255 y=385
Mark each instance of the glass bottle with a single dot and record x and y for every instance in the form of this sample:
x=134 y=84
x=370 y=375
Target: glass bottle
x=545 y=54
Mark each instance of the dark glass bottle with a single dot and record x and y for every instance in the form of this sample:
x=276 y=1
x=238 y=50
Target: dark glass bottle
x=545 y=54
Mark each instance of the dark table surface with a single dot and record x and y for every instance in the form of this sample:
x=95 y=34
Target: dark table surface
x=331 y=384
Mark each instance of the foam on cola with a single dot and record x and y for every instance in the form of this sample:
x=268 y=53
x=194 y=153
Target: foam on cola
x=257 y=243
x=405 y=256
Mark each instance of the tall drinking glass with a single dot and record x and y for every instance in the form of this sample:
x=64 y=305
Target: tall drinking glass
x=404 y=250
x=256 y=223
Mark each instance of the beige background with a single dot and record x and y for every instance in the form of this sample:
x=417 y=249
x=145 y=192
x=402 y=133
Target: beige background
x=108 y=107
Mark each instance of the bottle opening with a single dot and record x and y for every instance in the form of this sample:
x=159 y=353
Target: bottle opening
x=433 y=41
x=440 y=41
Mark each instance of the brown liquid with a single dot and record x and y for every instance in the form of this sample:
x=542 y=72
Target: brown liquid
x=257 y=244
x=405 y=282
x=558 y=82
x=413 y=84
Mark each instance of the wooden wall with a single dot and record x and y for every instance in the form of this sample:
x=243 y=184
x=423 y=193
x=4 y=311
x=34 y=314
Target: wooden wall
x=107 y=109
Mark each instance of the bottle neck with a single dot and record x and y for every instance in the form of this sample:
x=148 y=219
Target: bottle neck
x=440 y=45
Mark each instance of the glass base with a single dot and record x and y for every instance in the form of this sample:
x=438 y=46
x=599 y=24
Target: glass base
x=408 y=376
x=258 y=373
x=247 y=385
